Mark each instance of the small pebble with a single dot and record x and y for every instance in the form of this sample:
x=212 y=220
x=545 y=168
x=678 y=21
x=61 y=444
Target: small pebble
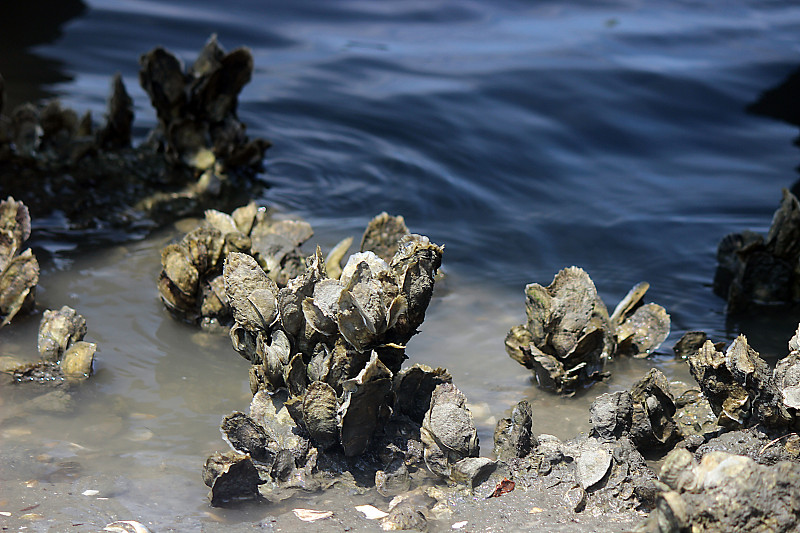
x=90 y=492
x=459 y=525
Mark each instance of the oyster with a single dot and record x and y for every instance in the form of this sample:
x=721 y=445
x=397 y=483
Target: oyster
x=652 y=422
x=569 y=335
x=725 y=492
x=19 y=271
x=448 y=431
x=58 y=331
x=65 y=355
x=231 y=477
x=383 y=235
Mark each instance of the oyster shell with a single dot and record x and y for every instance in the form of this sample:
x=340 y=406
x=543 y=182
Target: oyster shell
x=231 y=477
x=19 y=270
x=58 y=331
x=448 y=431
x=383 y=235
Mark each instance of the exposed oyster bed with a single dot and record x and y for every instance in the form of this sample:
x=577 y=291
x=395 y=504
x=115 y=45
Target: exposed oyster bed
x=198 y=156
x=333 y=407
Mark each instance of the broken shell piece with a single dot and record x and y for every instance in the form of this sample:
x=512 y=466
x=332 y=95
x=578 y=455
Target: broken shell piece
x=370 y=512
x=311 y=515
x=126 y=526
x=58 y=331
x=232 y=477
x=592 y=466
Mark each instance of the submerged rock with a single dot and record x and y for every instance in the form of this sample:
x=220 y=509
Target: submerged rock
x=198 y=155
x=569 y=335
x=753 y=271
x=19 y=270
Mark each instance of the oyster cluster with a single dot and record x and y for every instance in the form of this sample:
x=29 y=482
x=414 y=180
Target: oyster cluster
x=196 y=109
x=191 y=283
x=569 y=335
x=742 y=388
x=198 y=155
x=65 y=356
x=752 y=270
x=725 y=492
x=645 y=414
x=19 y=270
x=335 y=344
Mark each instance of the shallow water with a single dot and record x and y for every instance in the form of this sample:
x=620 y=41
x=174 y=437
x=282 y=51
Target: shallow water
x=526 y=138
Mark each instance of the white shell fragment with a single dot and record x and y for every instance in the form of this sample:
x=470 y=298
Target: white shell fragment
x=311 y=515
x=126 y=526
x=372 y=513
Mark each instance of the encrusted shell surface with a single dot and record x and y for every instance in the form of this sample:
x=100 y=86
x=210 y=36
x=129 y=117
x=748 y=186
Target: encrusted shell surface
x=320 y=406
x=243 y=276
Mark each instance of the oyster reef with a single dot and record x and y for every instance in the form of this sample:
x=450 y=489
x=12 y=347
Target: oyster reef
x=198 y=154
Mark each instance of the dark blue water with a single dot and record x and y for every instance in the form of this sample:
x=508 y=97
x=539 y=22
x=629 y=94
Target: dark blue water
x=525 y=136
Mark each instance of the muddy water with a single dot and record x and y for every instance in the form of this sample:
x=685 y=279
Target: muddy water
x=524 y=137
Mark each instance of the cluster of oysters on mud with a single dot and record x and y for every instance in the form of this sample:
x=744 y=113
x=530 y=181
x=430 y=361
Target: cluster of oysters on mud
x=569 y=335
x=19 y=270
x=198 y=155
x=65 y=356
x=335 y=344
x=742 y=388
x=326 y=356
